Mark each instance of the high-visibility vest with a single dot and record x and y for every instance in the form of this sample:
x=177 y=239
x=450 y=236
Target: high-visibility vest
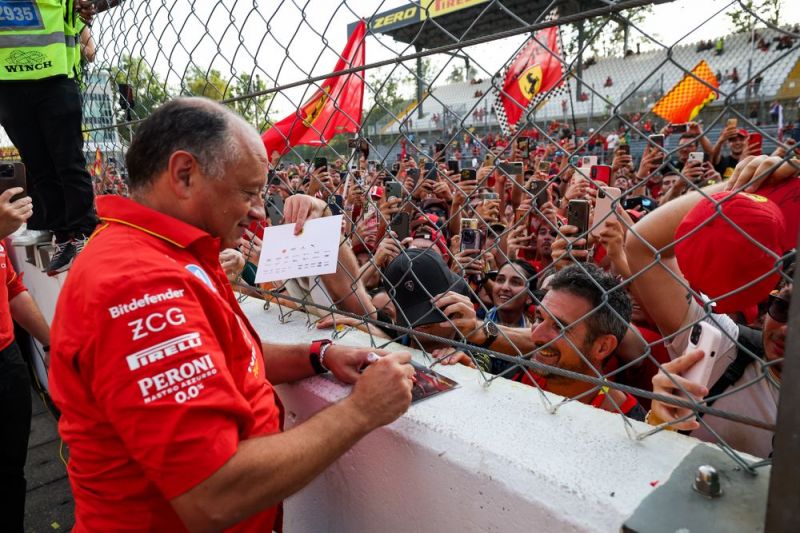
x=35 y=40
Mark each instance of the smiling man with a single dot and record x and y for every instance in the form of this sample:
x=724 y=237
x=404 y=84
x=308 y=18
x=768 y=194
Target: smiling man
x=165 y=391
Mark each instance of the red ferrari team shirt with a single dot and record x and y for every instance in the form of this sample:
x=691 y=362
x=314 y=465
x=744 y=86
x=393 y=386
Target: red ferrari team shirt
x=10 y=286
x=157 y=372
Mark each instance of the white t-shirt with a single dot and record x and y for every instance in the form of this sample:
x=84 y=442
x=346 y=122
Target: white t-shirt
x=758 y=401
x=612 y=141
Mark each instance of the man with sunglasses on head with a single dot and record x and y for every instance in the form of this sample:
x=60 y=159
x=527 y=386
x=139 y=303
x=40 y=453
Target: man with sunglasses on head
x=748 y=360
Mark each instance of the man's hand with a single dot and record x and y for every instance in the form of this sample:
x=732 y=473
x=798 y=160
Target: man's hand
x=13 y=214
x=347 y=363
x=383 y=392
x=388 y=209
x=86 y=10
x=250 y=245
x=517 y=240
x=693 y=170
x=452 y=356
x=662 y=384
x=388 y=249
x=651 y=160
x=753 y=172
x=465 y=263
x=558 y=250
x=459 y=311
x=232 y=262
x=300 y=207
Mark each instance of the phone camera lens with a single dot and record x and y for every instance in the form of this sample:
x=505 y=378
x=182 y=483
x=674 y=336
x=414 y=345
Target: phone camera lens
x=695 y=333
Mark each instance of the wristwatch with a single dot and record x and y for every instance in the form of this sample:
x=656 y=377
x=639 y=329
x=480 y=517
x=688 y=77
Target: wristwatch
x=316 y=355
x=490 y=333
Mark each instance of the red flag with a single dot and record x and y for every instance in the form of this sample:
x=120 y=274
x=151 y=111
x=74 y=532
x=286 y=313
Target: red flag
x=533 y=73
x=97 y=167
x=333 y=109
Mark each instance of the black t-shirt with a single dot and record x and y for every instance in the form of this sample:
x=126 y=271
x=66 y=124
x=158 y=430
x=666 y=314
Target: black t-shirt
x=726 y=165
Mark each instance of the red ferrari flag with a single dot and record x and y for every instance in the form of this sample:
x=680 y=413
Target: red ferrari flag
x=530 y=78
x=333 y=109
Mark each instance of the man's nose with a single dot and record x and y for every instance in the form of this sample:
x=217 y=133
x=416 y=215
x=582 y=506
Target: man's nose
x=257 y=212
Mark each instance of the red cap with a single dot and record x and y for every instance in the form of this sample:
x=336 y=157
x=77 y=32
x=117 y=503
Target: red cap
x=719 y=258
x=742 y=132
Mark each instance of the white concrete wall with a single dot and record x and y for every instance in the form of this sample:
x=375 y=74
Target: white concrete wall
x=472 y=459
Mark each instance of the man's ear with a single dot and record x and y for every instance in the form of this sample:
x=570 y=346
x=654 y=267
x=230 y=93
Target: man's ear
x=181 y=169
x=602 y=347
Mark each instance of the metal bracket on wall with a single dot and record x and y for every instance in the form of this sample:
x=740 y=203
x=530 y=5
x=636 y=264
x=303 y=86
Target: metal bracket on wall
x=676 y=506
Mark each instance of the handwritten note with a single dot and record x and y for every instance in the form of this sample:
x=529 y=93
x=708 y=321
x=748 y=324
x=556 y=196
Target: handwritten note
x=285 y=255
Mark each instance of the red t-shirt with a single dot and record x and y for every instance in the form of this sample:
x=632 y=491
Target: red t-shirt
x=157 y=372
x=10 y=286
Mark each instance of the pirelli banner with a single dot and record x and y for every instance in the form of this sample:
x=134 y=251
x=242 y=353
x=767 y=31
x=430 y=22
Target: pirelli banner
x=414 y=13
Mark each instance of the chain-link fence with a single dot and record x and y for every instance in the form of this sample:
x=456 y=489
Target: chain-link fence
x=547 y=192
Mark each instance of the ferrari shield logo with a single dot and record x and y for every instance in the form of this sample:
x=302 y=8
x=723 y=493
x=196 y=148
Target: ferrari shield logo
x=530 y=82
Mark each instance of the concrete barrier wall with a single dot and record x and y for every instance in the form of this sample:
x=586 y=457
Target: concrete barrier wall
x=473 y=459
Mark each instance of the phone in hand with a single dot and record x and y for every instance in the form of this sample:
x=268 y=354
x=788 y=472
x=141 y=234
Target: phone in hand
x=439 y=151
x=755 y=141
x=706 y=337
x=430 y=170
x=657 y=139
x=603 y=207
x=523 y=147
x=372 y=165
x=601 y=174
x=624 y=149
x=393 y=188
x=471 y=236
x=578 y=216
x=679 y=128
x=696 y=156
x=401 y=224
x=538 y=189
x=13 y=175
x=468 y=174
x=452 y=166
x=732 y=123
x=588 y=161
x=274 y=206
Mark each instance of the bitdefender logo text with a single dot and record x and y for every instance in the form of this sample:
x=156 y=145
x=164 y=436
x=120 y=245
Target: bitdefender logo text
x=140 y=303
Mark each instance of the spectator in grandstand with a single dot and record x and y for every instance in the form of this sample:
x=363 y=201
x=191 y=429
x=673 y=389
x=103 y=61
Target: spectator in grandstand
x=655 y=283
x=581 y=320
x=170 y=413
x=719 y=47
x=15 y=387
x=609 y=82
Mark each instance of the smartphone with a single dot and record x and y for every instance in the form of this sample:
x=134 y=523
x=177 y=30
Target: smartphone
x=471 y=237
x=430 y=170
x=393 y=188
x=13 y=175
x=696 y=156
x=732 y=123
x=538 y=189
x=513 y=168
x=274 y=206
x=639 y=202
x=363 y=147
x=603 y=207
x=704 y=337
x=544 y=166
x=600 y=173
x=401 y=224
x=352 y=143
x=657 y=139
x=755 y=141
x=439 y=151
x=523 y=147
x=578 y=216
x=488 y=160
x=489 y=196
x=372 y=165
x=395 y=168
x=679 y=128
x=468 y=174
x=624 y=149
x=588 y=160
x=452 y=166
x=413 y=173
x=320 y=162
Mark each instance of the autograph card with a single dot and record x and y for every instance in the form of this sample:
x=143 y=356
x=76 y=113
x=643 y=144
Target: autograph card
x=312 y=253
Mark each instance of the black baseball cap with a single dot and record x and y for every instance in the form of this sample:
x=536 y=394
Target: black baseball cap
x=413 y=278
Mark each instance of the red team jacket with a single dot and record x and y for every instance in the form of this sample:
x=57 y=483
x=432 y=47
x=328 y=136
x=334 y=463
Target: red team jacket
x=156 y=370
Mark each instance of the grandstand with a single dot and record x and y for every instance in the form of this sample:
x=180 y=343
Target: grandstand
x=649 y=74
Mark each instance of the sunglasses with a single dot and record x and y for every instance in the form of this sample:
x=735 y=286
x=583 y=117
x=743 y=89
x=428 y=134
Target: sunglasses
x=778 y=308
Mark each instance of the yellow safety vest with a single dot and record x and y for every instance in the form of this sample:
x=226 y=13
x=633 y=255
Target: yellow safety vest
x=35 y=40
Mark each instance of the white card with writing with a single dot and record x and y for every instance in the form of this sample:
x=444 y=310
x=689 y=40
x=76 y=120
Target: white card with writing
x=285 y=255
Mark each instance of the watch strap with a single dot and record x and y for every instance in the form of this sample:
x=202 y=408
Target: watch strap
x=314 y=355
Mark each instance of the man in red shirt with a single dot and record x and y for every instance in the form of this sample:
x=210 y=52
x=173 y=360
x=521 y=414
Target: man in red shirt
x=15 y=386
x=165 y=390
